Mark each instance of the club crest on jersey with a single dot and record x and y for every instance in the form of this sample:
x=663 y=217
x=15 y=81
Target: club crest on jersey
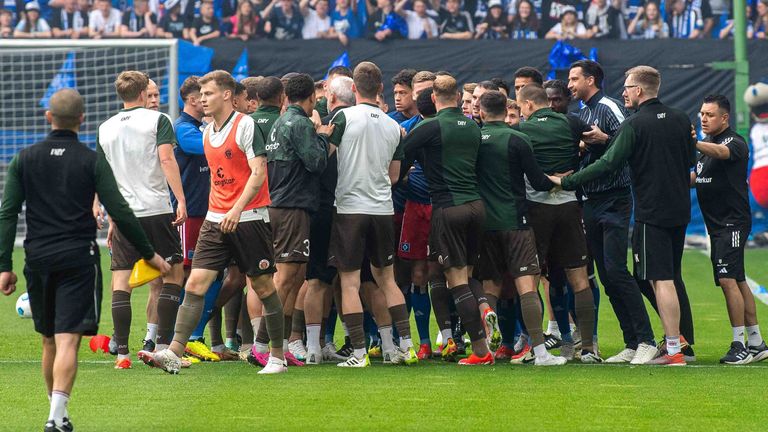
x=699 y=167
x=405 y=247
x=263 y=264
x=228 y=154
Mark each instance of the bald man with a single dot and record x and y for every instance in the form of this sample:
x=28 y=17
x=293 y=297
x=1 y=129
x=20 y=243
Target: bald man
x=62 y=265
x=153 y=96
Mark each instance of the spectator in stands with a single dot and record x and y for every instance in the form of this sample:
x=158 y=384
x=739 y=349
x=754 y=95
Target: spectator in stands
x=551 y=12
x=605 y=20
x=525 y=23
x=568 y=28
x=721 y=12
x=206 y=26
x=33 y=26
x=346 y=21
x=495 y=25
x=455 y=23
x=383 y=22
x=421 y=25
x=6 y=21
x=727 y=31
x=172 y=24
x=647 y=23
x=285 y=20
x=246 y=23
x=705 y=11
x=104 y=21
x=68 y=22
x=685 y=22
x=229 y=9
x=139 y=21
x=317 y=22
x=761 y=22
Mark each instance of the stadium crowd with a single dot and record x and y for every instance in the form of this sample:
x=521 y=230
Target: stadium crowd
x=199 y=21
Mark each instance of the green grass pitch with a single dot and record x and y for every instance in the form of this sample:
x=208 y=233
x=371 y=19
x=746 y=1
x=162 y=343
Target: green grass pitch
x=430 y=396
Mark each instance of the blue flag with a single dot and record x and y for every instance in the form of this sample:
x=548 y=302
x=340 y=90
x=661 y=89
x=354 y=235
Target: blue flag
x=240 y=72
x=65 y=78
x=343 y=60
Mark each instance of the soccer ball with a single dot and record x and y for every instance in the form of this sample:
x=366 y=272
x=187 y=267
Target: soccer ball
x=22 y=306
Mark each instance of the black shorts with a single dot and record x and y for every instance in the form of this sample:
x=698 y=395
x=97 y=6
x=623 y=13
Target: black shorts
x=320 y=225
x=290 y=234
x=657 y=251
x=356 y=235
x=161 y=233
x=727 y=254
x=456 y=234
x=250 y=246
x=508 y=252
x=66 y=301
x=559 y=231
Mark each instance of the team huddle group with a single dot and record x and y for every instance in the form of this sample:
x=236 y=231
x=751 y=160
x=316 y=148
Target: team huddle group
x=321 y=204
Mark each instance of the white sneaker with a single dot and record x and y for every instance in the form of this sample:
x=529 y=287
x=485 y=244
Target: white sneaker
x=644 y=354
x=165 y=360
x=274 y=366
x=625 y=356
x=549 y=360
x=329 y=353
x=589 y=357
x=354 y=362
x=314 y=357
x=297 y=349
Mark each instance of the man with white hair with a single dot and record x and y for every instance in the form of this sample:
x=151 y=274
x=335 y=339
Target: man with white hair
x=319 y=275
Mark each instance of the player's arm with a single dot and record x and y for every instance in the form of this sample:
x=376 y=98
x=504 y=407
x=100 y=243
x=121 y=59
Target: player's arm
x=166 y=139
x=397 y=161
x=417 y=139
x=311 y=148
x=613 y=159
x=536 y=177
x=13 y=198
x=121 y=214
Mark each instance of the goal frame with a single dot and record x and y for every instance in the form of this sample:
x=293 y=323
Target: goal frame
x=171 y=44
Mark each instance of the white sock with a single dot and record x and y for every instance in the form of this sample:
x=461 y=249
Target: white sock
x=406 y=344
x=553 y=328
x=540 y=351
x=285 y=344
x=255 y=323
x=738 y=334
x=161 y=347
x=753 y=335
x=261 y=348
x=313 y=337
x=387 y=343
x=359 y=353
x=151 y=332
x=122 y=356
x=218 y=348
x=344 y=326
x=58 y=411
x=673 y=345
x=447 y=334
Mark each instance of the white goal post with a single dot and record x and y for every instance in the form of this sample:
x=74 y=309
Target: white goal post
x=32 y=70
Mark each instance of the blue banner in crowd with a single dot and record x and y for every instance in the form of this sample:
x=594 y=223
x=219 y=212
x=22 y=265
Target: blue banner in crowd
x=240 y=72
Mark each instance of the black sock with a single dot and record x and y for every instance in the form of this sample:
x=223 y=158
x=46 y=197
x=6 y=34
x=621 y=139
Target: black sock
x=466 y=306
x=121 y=317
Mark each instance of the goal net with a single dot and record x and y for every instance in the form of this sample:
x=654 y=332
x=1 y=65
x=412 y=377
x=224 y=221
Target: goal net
x=33 y=70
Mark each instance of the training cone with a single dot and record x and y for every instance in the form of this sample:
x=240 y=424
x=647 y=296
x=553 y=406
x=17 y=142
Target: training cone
x=100 y=342
x=142 y=273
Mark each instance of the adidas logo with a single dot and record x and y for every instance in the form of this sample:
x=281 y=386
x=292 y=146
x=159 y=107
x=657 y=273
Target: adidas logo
x=723 y=271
